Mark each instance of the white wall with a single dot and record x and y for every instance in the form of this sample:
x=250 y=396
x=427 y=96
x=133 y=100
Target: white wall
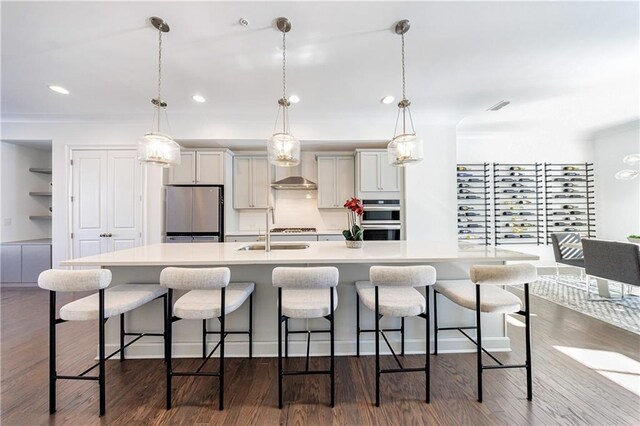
x=617 y=201
x=430 y=185
x=17 y=182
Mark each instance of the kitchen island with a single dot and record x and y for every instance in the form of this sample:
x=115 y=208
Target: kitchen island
x=452 y=261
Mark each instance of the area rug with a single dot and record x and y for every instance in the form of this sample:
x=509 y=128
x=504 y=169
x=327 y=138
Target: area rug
x=569 y=291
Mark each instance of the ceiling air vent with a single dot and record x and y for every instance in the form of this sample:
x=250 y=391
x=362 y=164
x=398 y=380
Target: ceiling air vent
x=499 y=105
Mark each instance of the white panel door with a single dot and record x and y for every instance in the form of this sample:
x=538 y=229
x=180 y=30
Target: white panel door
x=185 y=173
x=369 y=171
x=327 y=182
x=107 y=202
x=89 y=204
x=124 y=200
x=210 y=167
x=242 y=183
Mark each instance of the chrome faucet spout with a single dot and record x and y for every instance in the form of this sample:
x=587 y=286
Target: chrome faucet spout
x=267 y=236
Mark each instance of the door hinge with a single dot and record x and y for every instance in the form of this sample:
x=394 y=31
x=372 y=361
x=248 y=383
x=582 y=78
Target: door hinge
x=71 y=162
x=72 y=235
x=72 y=198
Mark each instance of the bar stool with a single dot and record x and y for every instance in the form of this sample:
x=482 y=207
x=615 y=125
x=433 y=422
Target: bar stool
x=391 y=292
x=114 y=301
x=306 y=293
x=210 y=296
x=482 y=294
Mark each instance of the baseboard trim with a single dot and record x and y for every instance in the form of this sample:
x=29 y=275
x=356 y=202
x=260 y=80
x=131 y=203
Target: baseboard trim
x=238 y=349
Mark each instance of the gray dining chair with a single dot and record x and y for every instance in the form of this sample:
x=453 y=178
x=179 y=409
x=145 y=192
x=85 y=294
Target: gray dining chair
x=566 y=255
x=613 y=261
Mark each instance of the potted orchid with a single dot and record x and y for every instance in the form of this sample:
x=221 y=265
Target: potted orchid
x=353 y=234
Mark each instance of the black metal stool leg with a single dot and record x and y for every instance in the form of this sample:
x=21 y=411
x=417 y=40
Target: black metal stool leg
x=527 y=321
x=435 y=322
x=169 y=345
x=164 y=333
x=222 y=339
x=479 y=342
x=204 y=338
x=377 y=350
x=251 y=326
x=52 y=352
x=122 y=331
x=357 y=325
x=333 y=371
x=280 y=347
x=286 y=338
x=427 y=362
x=402 y=336
x=101 y=379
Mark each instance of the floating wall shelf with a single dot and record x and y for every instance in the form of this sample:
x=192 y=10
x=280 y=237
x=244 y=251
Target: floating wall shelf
x=43 y=171
x=40 y=194
x=40 y=217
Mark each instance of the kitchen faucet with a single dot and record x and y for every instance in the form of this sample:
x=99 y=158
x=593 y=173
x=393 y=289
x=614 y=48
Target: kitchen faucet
x=267 y=237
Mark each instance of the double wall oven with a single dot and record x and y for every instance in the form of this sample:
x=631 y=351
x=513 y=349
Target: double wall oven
x=381 y=219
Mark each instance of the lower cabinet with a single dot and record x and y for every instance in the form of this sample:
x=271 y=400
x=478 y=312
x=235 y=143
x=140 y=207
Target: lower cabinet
x=241 y=238
x=22 y=263
x=330 y=237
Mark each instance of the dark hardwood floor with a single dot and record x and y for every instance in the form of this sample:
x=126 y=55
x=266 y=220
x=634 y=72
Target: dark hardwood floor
x=565 y=391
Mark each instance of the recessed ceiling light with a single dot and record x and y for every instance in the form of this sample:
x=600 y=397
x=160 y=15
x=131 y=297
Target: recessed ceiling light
x=199 y=98
x=387 y=99
x=59 y=89
x=294 y=99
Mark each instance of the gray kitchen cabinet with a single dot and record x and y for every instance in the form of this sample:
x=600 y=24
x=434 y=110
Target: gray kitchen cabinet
x=201 y=167
x=185 y=172
x=374 y=173
x=250 y=182
x=35 y=259
x=241 y=238
x=10 y=263
x=335 y=180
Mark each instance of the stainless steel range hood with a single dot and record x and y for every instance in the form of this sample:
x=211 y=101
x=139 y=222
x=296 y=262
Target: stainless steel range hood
x=295 y=182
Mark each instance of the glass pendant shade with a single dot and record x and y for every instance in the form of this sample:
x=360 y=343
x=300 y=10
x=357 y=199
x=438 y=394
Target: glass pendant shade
x=283 y=149
x=158 y=149
x=404 y=149
x=632 y=159
x=627 y=174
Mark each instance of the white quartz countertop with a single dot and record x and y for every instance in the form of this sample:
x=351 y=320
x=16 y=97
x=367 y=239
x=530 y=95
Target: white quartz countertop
x=261 y=232
x=325 y=252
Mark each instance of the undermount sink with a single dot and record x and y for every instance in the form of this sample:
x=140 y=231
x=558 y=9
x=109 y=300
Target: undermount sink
x=274 y=247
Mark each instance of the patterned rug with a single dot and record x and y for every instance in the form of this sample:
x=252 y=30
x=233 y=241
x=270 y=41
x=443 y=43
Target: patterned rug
x=569 y=291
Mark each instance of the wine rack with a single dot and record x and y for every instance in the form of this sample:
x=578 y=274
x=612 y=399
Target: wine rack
x=518 y=203
x=569 y=199
x=474 y=203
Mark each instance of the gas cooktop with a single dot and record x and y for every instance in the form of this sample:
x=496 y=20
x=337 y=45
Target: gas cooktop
x=292 y=230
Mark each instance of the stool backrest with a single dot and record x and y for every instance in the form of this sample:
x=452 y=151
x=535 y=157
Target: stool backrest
x=195 y=278
x=612 y=260
x=315 y=277
x=82 y=280
x=402 y=276
x=522 y=273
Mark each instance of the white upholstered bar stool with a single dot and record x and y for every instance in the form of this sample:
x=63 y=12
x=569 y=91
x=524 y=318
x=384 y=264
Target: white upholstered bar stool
x=101 y=306
x=210 y=296
x=391 y=292
x=483 y=294
x=306 y=293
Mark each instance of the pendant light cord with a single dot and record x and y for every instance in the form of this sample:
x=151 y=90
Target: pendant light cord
x=404 y=96
x=285 y=115
x=159 y=99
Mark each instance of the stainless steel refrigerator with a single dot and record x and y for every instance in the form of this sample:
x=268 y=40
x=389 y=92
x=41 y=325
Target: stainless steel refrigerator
x=194 y=214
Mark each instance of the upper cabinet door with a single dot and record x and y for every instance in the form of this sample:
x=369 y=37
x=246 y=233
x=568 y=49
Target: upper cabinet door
x=327 y=183
x=260 y=182
x=389 y=175
x=185 y=173
x=210 y=167
x=345 y=172
x=242 y=183
x=369 y=172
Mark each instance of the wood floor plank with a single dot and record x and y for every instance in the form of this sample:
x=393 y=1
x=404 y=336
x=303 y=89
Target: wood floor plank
x=565 y=390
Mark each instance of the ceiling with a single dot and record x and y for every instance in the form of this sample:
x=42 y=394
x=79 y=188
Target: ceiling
x=342 y=58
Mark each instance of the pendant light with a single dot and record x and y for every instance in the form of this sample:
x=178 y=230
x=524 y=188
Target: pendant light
x=156 y=147
x=283 y=148
x=405 y=148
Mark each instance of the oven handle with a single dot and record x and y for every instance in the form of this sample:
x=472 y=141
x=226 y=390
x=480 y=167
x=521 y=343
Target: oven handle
x=389 y=227
x=382 y=209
